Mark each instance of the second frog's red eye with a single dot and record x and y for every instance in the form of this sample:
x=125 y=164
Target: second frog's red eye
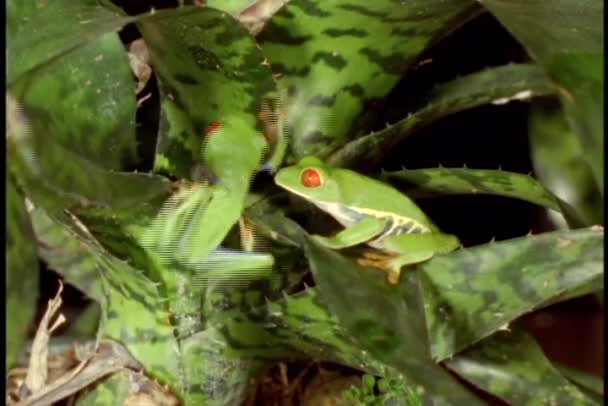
x=213 y=128
x=311 y=178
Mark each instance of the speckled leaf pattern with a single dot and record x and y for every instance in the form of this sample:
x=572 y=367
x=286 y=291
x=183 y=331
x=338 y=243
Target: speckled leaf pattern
x=29 y=28
x=512 y=366
x=334 y=57
x=567 y=39
x=493 y=284
x=134 y=311
x=465 y=296
x=560 y=164
x=78 y=112
x=21 y=272
x=66 y=255
x=398 y=338
x=493 y=85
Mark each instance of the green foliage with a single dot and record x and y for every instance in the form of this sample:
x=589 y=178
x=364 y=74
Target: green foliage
x=391 y=392
x=196 y=264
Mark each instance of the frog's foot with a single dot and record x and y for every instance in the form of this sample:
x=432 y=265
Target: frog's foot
x=384 y=261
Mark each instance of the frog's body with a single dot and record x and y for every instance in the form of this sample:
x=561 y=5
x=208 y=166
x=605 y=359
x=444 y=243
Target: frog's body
x=371 y=212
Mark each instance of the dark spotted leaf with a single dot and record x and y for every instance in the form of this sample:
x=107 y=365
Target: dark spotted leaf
x=388 y=322
x=567 y=39
x=560 y=164
x=66 y=255
x=474 y=292
x=134 y=311
x=21 y=272
x=77 y=116
x=336 y=57
x=512 y=366
x=494 y=85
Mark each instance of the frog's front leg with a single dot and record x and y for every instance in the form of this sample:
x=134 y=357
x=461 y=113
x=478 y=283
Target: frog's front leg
x=358 y=233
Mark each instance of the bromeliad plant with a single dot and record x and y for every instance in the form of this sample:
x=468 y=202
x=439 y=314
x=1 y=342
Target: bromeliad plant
x=197 y=262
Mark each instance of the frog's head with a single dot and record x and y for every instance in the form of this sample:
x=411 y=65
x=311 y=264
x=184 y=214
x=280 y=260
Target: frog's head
x=310 y=179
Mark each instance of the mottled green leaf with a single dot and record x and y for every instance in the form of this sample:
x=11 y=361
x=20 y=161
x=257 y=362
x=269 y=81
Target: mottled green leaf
x=334 y=57
x=387 y=321
x=473 y=181
x=21 y=272
x=560 y=164
x=592 y=385
x=446 y=181
x=473 y=292
x=77 y=113
x=134 y=312
x=494 y=85
x=67 y=255
x=40 y=31
x=512 y=366
x=567 y=39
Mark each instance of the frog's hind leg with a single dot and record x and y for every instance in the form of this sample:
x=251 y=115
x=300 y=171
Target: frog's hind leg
x=392 y=263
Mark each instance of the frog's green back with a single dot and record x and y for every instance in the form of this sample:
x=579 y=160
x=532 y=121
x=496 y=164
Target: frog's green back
x=349 y=188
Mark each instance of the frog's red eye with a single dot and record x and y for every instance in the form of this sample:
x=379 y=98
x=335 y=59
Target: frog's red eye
x=213 y=128
x=311 y=178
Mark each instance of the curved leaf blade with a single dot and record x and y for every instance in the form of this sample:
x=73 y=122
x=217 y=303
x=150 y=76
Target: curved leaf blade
x=473 y=181
x=493 y=85
x=474 y=292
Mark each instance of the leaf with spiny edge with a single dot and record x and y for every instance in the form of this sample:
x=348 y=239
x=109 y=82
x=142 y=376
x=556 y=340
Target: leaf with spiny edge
x=471 y=293
x=508 y=82
x=335 y=57
x=447 y=181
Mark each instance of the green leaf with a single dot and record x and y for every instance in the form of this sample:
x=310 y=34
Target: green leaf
x=66 y=255
x=446 y=181
x=77 y=117
x=473 y=181
x=474 y=292
x=512 y=366
x=591 y=384
x=21 y=272
x=494 y=85
x=334 y=57
x=134 y=312
x=40 y=28
x=390 y=322
x=560 y=164
x=567 y=39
